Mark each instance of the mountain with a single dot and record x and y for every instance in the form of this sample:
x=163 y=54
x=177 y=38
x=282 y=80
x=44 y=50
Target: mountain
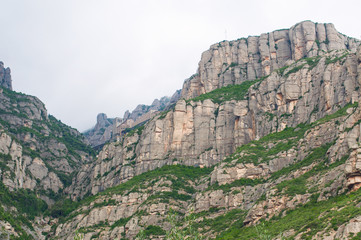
x=39 y=155
x=263 y=142
x=107 y=129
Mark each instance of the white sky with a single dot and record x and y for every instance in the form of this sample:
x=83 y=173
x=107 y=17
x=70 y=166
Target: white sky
x=83 y=57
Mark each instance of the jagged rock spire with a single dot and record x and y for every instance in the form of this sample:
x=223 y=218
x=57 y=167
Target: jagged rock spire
x=5 y=77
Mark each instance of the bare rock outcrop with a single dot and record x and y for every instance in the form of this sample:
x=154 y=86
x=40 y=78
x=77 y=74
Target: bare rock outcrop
x=232 y=62
x=5 y=77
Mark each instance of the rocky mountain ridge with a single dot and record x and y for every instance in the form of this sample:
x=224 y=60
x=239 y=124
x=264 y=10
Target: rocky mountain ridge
x=107 y=129
x=203 y=131
x=39 y=155
x=232 y=62
x=265 y=141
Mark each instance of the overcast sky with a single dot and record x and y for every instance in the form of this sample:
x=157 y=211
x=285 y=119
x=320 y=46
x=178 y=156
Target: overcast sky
x=83 y=57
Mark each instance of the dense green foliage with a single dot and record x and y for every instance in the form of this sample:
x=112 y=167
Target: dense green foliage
x=65 y=135
x=25 y=201
x=152 y=230
x=28 y=206
x=259 y=151
x=222 y=222
x=228 y=93
x=62 y=208
x=138 y=129
x=315 y=216
x=180 y=172
x=179 y=175
x=336 y=59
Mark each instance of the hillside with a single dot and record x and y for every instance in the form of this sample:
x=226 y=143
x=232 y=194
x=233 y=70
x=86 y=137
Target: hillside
x=281 y=136
x=39 y=156
x=264 y=143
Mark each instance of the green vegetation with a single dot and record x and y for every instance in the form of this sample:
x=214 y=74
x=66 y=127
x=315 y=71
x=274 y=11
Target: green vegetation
x=120 y=222
x=237 y=183
x=152 y=230
x=163 y=114
x=222 y=222
x=25 y=201
x=138 y=129
x=179 y=175
x=294 y=69
x=62 y=208
x=316 y=154
x=308 y=219
x=165 y=196
x=180 y=172
x=228 y=93
x=189 y=232
x=312 y=61
x=259 y=151
x=28 y=206
x=66 y=135
x=341 y=112
x=330 y=60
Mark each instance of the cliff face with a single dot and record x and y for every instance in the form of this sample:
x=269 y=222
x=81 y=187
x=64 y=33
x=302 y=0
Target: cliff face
x=271 y=123
x=5 y=77
x=268 y=129
x=39 y=151
x=297 y=170
x=107 y=129
x=232 y=62
x=102 y=131
x=39 y=155
x=203 y=132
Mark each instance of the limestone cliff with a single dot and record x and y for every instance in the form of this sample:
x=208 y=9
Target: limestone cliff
x=273 y=121
x=107 y=129
x=203 y=132
x=39 y=155
x=5 y=77
x=268 y=130
x=232 y=62
x=102 y=131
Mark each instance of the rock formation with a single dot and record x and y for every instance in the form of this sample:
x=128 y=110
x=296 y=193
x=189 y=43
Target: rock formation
x=232 y=62
x=107 y=129
x=102 y=131
x=268 y=130
x=5 y=77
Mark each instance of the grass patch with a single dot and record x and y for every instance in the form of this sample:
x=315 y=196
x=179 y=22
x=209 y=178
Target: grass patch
x=152 y=230
x=306 y=219
x=228 y=93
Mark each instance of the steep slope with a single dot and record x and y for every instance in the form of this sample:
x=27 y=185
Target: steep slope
x=232 y=62
x=279 y=139
x=264 y=142
x=282 y=178
x=102 y=131
x=39 y=155
x=204 y=130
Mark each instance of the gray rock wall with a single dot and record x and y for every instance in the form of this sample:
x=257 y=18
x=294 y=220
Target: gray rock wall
x=5 y=77
x=232 y=62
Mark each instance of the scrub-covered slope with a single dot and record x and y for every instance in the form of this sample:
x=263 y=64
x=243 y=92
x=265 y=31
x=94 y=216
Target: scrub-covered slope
x=39 y=155
x=268 y=130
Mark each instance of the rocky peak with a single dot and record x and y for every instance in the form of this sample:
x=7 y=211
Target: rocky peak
x=101 y=132
x=5 y=77
x=107 y=129
x=101 y=118
x=233 y=62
